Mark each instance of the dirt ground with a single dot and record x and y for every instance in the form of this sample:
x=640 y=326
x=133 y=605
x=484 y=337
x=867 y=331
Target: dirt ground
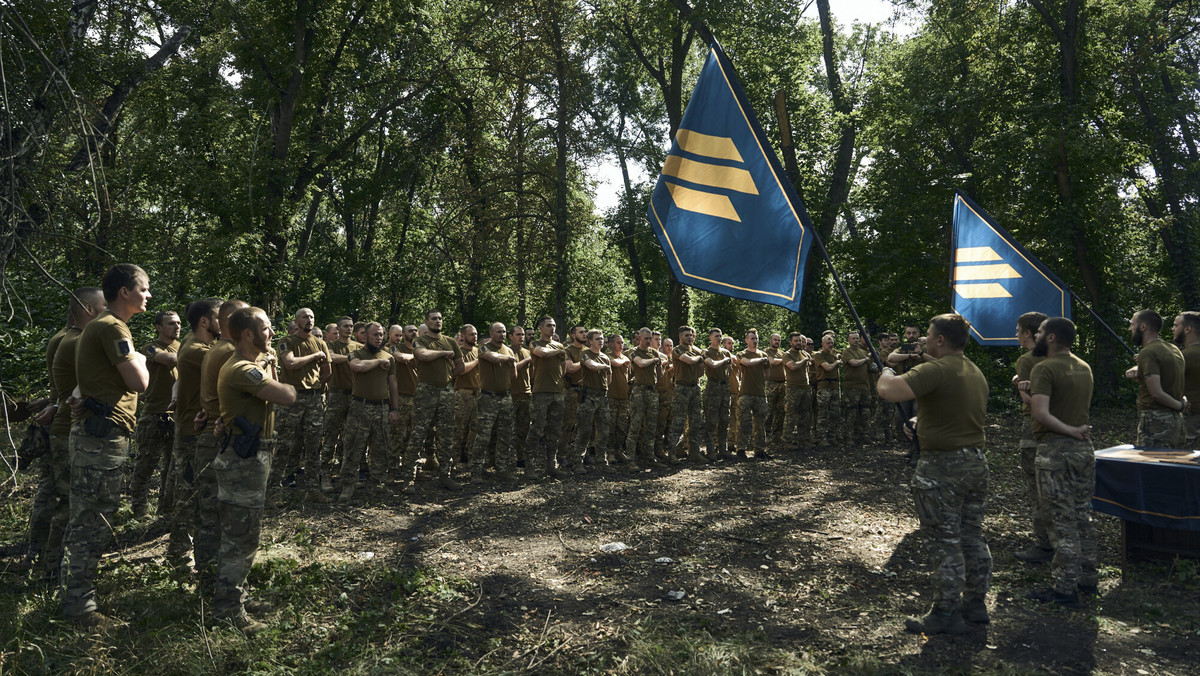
x=808 y=562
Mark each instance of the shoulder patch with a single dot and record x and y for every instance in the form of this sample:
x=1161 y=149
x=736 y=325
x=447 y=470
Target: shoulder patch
x=256 y=374
x=151 y=350
x=124 y=346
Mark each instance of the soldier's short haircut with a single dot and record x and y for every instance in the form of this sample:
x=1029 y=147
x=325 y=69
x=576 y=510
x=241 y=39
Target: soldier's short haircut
x=370 y=324
x=229 y=307
x=750 y=331
x=121 y=276
x=516 y=328
x=358 y=325
x=245 y=319
x=715 y=330
x=645 y=331
x=853 y=332
x=161 y=316
x=1062 y=328
x=793 y=334
x=200 y=309
x=575 y=328
x=1030 y=321
x=953 y=327
x=432 y=311
x=343 y=318
x=83 y=295
x=613 y=338
x=463 y=329
x=1191 y=318
x=543 y=320
x=828 y=332
x=685 y=329
x=882 y=337
x=656 y=333
x=912 y=325
x=1150 y=318
x=594 y=333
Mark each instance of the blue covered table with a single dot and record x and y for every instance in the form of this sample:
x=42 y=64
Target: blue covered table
x=1156 y=494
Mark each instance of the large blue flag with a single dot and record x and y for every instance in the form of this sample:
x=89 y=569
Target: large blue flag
x=996 y=280
x=725 y=213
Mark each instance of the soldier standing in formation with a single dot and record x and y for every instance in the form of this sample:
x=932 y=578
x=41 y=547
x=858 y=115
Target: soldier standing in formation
x=1160 y=373
x=497 y=371
x=156 y=428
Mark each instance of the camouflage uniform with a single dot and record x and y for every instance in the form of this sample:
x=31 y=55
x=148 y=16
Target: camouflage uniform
x=183 y=512
x=1042 y=521
x=1066 y=481
x=753 y=416
x=776 y=404
x=51 y=506
x=950 y=491
x=856 y=407
x=242 y=486
x=400 y=434
x=495 y=418
x=827 y=416
x=96 y=478
x=716 y=417
x=155 y=437
x=206 y=528
x=799 y=416
x=333 y=428
x=366 y=426
x=593 y=415
x=1160 y=428
x=300 y=433
x=643 y=407
x=433 y=408
x=545 y=425
x=466 y=419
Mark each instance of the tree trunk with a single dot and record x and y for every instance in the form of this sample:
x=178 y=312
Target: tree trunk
x=562 y=277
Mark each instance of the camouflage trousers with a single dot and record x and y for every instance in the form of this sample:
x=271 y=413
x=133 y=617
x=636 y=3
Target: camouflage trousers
x=570 y=421
x=797 y=421
x=520 y=427
x=337 y=407
x=1191 y=429
x=433 y=410
x=298 y=429
x=643 y=412
x=1066 y=481
x=686 y=414
x=618 y=418
x=885 y=421
x=592 y=421
x=856 y=409
x=96 y=478
x=51 y=506
x=828 y=417
x=1041 y=518
x=195 y=524
x=495 y=422
x=734 y=419
x=154 y=436
x=366 y=427
x=1159 y=428
x=776 y=412
x=545 y=430
x=950 y=489
x=241 y=492
x=752 y=414
x=399 y=435
x=663 y=421
x=183 y=512
x=466 y=417
x=716 y=418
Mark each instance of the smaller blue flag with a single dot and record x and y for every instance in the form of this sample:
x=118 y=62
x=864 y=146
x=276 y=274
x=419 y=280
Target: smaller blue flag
x=728 y=219
x=996 y=280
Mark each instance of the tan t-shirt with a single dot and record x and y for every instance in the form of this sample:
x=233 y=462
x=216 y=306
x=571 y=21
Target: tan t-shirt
x=796 y=377
x=406 y=372
x=64 y=381
x=519 y=389
x=575 y=354
x=776 y=373
x=340 y=377
x=493 y=376
x=187 y=404
x=52 y=346
x=1067 y=380
x=645 y=375
x=437 y=373
x=594 y=380
x=619 y=387
x=754 y=378
x=157 y=397
x=308 y=377
x=548 y=371
x=373 y=384
x=1024 y=367
x=826 y=380
x=721 y=373
x=855 y=377
x=238 y=384
x=210 y=372
x=951 y=403
x=470 y=379
x=688 y=373
x=105 y=343
x=1191 y=376
x=1165 y=360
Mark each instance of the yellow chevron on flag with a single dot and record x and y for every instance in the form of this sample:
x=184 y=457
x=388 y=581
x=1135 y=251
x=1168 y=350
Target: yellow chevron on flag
x=707 y=203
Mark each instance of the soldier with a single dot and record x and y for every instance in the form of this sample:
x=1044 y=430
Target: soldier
x=374 y=407
x=718 y=363
x=306 y=366
x=776 y=391
x=856 y=395
x=521 y=395
x=573 y=389
x=1160 y=373
x=546 y=408
x=395 y=335
x=206 y=527
x=331 y=332
x=950 y=485
x=689 y=366
x=735 y=394
x=593 y=415
x=1187 y=337
x=753 y=400
x=110 y=373
x=885 y=413
x=248 y=391
x=1041 y=551
x=618 y=398
x=406 y=388
x=203 y=318
x=337 y=401
x=439 y=359
x=466 y=395
x=1061 y=392
x=497 y=370
x=828 y=366
x=156 y=428
x=798 y=413
x=643 y=402
x=51 y=505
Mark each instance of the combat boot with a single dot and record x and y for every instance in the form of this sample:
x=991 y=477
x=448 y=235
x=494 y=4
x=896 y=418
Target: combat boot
x=505 y=476
x=347 y=493
x=326 y=483
x=476 y=477
x=1035 y=555
x=672 y=457
x=317 y=497
x=975 y=610
x=937 y=622
x=95 y=622
x=246 y=624
x=449 y=483
x=1050 y=595
x=697 y=458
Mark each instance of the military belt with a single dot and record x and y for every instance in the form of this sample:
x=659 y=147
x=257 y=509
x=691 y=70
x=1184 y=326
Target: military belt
x=678 y=384
x=648 y=387
x=339 y=390
x=304 y=392
x=494 y=394
x=369 y=401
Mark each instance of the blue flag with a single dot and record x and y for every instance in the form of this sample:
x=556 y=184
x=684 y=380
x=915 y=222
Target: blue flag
x=996 y=280
x=728 y=219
